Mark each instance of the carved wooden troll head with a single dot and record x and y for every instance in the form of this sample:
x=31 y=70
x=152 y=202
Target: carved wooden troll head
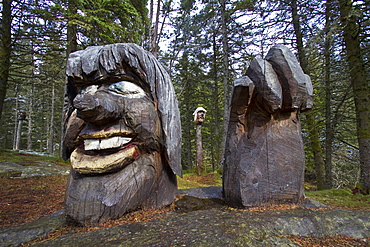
x=122 y=133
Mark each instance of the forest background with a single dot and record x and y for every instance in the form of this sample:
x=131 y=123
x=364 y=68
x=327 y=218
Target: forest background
x=205 y=45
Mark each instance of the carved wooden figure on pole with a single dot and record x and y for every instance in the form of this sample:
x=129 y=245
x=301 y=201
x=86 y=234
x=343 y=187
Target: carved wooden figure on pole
x=199 y=117
x=264 y=156
x=122 y=133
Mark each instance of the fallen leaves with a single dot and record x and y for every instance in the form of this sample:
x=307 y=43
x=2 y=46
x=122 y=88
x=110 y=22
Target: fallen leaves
x=337 y=240
x=27 y=199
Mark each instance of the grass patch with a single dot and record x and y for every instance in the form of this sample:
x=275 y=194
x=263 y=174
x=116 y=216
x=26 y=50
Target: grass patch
x=342 y=198
x=28 y=159
x=192 y=180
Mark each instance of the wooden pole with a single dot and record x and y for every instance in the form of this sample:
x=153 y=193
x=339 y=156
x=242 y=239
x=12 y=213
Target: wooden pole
x=18 y=137
x=199 y=148
x=199 y=115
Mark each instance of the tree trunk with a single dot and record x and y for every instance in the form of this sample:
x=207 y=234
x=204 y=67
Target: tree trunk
x=71 y=28
x=361 y=88
x=328 y=112
x=71 y=47
x=50 y=142
x=30 y=116
x=154 y=45
x=5 y=50
x=216 y=139
x=15 y=119
x=316 y=149
x=314 y=135
x=226 y=74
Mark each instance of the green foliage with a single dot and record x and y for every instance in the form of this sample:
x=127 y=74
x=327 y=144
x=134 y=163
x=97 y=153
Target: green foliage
x=37 y=74
x=111 y=21
x=341 y=198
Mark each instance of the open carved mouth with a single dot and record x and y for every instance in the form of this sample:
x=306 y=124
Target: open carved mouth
x=104 y=155
x=108 y=143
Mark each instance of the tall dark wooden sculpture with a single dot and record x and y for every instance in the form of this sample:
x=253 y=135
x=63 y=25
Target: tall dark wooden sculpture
x=122 y=133
x=264 y=156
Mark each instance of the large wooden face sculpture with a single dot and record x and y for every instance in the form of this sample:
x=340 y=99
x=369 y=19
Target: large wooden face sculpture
x=122 y=132
x=119 y=122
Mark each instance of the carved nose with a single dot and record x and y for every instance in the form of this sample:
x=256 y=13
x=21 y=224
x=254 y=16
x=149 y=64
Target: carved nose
x=96 y=107
x=86 y=106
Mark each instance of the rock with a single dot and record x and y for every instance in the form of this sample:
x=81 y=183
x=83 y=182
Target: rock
x=310 y=203
x=17 y=235
x=222 y=227
x=39 y=168
x=203 y=192
x=186 y=203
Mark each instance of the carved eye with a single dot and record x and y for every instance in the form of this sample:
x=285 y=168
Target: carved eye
x=127 y=89
x=90 y=89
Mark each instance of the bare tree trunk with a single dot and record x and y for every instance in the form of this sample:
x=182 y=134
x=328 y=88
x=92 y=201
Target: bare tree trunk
x=30 y=116
x=15 y=119
x=71 y=47
x=50 y=140
x=150 y=34
x=71 y=28
x=328 y=112
x=226 y=74
x=216 y=110
x=154 y=45
x=314 y=135
x=5 y=50
x=360 y=86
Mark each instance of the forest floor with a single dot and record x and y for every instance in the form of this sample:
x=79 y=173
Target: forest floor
x=27 y=199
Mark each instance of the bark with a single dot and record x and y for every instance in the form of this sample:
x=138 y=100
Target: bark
x=216 y=143
x=154 y=45
x=71 y=47
x=314 y=135
x=360 y=87
x=328 y=112
x=71 y=28
x=30 y=116
x=226 y=73
x=50 y=142
x=15 y=119
x=316 y=149
x=5 y=50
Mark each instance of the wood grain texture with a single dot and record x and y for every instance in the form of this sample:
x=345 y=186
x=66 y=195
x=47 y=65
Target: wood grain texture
x=122 y=131
x=264 y=156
